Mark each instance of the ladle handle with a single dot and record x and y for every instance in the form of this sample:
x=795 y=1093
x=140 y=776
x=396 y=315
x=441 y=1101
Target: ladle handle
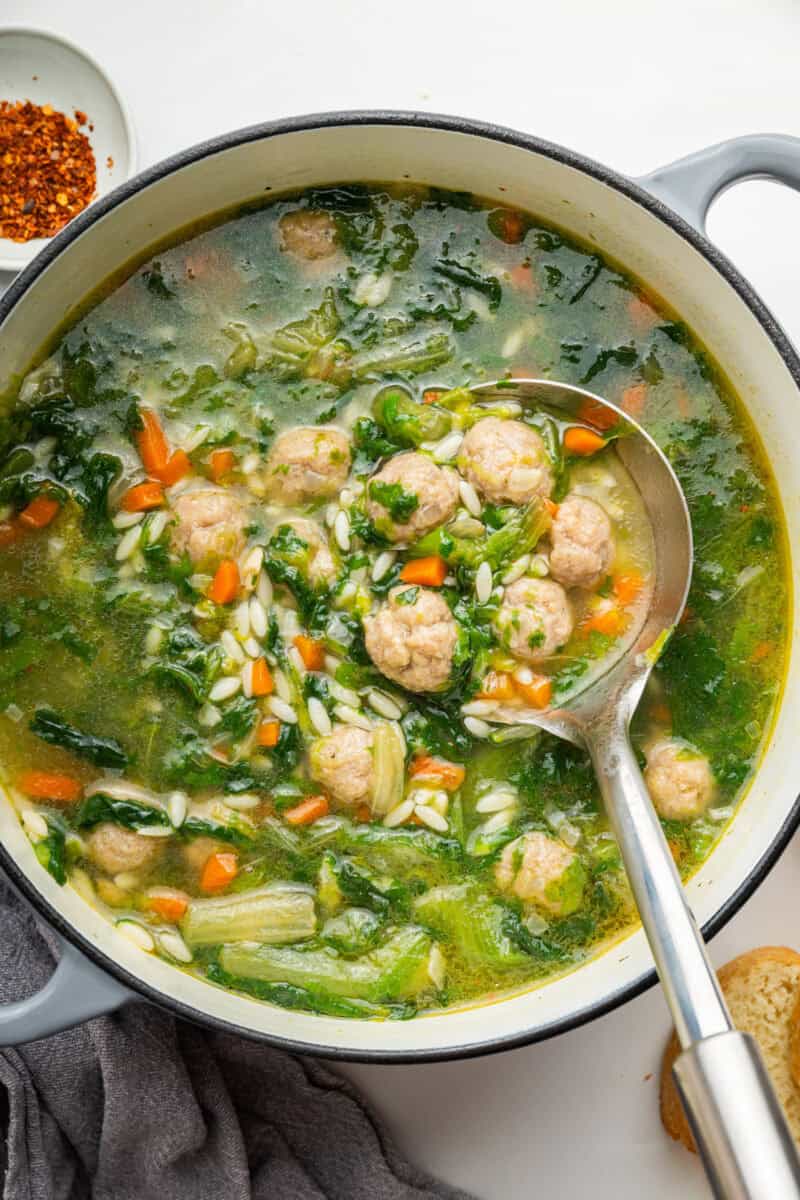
x=737 y=1122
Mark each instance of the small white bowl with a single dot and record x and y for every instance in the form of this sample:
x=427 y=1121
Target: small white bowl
x=47 y=69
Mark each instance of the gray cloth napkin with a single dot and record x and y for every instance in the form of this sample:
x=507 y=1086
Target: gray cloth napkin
x=140 y=1106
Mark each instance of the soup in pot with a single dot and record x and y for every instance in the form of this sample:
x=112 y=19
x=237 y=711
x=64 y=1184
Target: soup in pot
x=269 y=568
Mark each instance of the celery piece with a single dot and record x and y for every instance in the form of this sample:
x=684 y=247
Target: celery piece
x=270 y=914
x=397 y=970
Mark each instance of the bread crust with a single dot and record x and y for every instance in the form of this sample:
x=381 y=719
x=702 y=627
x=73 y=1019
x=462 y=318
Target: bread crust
x=734 y=978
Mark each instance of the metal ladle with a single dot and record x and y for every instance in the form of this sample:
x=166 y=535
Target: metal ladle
x=737 y=1122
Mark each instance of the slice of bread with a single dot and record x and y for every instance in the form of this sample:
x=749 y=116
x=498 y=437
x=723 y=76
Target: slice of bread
x=762 y=989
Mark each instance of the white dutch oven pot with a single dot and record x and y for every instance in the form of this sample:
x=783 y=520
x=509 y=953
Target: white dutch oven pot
x=654 y=227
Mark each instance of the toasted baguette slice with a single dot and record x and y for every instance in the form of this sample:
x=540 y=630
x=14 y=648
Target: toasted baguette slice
x=762 y=989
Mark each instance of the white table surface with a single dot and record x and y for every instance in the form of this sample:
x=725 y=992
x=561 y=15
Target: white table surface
x=633 y=85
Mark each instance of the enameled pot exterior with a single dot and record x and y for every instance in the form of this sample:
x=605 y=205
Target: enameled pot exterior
x=625 y=221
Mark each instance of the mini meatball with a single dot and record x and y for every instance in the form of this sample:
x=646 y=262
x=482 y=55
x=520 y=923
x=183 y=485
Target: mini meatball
x=342 y=763
x=198 y=851
x=210 y=525
x=506 y=461
x=429 y=493
x=307 y=464
x=320 y=565
x=582 y=543
x=115 y=849
x=545 y=872
x=679 y=780
x=412 y=637
x=309 y=235
x=535 y=618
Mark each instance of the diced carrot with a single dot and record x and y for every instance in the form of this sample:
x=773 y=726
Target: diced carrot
x=268 y=733
x=311 y=651
x=538 y=693
x=261 y=679
x=363 y=813
x=432 y=395
x=225 y=586
x=762 y=651
x=220 y=463
x=219 y=870
x=634 y=399
x=522 y=277
x=511 y=227
x=10 y=531
x=627 y=587
x=151 y=442
x=429 y=571
x=582 y=442
x=177 y=467
x=46 y=785
x=605 y=620
x=551 y=507
x=597 y=415
x=143 y=497
x=308 y=811
x=168 y=903
x=497 y=685
x=40 y=512
x=449 y=776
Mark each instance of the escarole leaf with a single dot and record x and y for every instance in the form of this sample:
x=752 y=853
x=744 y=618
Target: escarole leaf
x=97 y=808
x=103 y=752
x=51 y=851
x=269 y=915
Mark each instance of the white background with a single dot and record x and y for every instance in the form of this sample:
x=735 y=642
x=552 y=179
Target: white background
x=634 y=85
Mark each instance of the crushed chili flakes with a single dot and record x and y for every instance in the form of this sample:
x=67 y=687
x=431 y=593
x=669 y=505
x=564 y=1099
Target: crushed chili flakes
x=47 y=169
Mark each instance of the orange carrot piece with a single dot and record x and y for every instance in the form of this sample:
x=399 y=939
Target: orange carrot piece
x=151 y=442
x=168 y=903
x=762 y=651
x=268 y=733
x=551 y=507
x=641 y=313
x=432 y=395
x=597 y=415
x=627 y=587
x=429 y=571
x=661 y=712
x=221 y=462
x=219 y=870
x=512 y=227
x=261 y=679
x=608 y=621
x=311 y=651
x=634 y=399
x=10 y=531
x=177 y=467
x=497 y=685
x=308 y=811
x=449 y=776
x=363 y=813
x=143 y=497
x=522 y=277
x=538 y=693
x=46 y=785
x=225 y=586
x=582 y=442
x=40 y=512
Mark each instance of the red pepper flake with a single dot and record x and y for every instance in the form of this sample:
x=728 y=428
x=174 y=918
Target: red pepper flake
x=110 y=163
x=47 y=168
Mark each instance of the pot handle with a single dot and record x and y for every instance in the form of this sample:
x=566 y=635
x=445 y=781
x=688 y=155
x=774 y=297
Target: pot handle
x=76 y=991
x=691 y=185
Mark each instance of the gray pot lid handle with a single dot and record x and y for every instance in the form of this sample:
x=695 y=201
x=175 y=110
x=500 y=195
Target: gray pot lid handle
x=690 y=185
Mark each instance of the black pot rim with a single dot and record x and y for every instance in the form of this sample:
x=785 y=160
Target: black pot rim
x=566 y=157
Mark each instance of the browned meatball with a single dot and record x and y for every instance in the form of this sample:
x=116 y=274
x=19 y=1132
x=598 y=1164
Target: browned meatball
x=679 y=780
x=535 y=618
x=307 y=464
x=115 y=849
x=309 y=235
x=342 y=763
x=210 y=525
x=412 y=637
x=506 y=461
x=435 y=490
x=583 y=544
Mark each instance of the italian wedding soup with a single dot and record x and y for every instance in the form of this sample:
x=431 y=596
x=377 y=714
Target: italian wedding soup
x=270 y=566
